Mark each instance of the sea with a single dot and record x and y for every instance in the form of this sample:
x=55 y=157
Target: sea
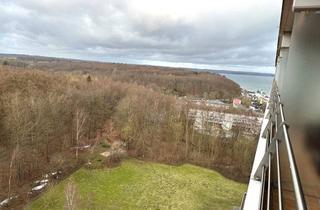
x=252 y=82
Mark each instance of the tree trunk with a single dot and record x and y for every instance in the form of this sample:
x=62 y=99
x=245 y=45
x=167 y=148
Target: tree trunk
x=187 y=135
x=80 y=120
x=13 y=157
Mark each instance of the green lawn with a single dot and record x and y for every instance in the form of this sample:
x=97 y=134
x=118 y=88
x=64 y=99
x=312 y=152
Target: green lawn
x=145 y=185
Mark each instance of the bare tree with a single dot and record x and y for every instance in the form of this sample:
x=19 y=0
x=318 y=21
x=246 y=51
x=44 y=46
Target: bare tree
x=80 y=120
x=13 y=157
x=70 y=192
x=187 y=109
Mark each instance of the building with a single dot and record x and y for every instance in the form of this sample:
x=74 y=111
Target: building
x=236 y=102
x=286 y=168
x=205 y=120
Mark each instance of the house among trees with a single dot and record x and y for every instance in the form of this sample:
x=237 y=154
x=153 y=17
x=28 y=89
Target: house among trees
x=236 y=103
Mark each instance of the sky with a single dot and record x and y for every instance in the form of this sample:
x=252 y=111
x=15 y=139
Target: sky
x=239 y=35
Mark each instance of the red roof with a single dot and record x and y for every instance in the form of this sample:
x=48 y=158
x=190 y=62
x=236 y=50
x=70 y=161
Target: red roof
x=236 y=101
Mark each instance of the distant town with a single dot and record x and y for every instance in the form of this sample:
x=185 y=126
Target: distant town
x=221 y=117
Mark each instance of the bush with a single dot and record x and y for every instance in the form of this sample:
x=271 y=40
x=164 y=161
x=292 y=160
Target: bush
x=105 y=145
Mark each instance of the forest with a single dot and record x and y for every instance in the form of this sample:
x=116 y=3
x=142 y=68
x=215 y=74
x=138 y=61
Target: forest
x=48 y=114
x=168 y=80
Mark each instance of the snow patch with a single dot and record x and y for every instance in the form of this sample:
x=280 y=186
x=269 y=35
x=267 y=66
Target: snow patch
x=86 y=146
x=39 y=187
x=106 y=153
x=41 y=181
x=7 y=200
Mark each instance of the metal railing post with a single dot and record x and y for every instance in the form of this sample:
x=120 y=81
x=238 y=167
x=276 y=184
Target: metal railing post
x=278 y=165
x=300 y=201
x=262 y=187
x=273 y=137
x=269 y=168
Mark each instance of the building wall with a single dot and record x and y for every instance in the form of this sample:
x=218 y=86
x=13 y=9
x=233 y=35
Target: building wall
x=299 y=84
x=282 y=65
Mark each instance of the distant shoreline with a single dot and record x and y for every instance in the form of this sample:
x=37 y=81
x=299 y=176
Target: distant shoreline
x=243 y=73
x=4 y=55
x=251 y=82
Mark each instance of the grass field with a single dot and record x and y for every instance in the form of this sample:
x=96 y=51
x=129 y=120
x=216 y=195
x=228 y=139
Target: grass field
x=145 y=185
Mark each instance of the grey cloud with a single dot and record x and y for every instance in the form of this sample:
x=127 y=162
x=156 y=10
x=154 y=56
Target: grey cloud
x=112 y=29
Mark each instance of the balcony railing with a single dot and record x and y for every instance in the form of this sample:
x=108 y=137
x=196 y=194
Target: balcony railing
x=275 y=132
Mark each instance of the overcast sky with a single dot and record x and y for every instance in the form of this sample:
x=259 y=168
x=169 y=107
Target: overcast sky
x=215 y=34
